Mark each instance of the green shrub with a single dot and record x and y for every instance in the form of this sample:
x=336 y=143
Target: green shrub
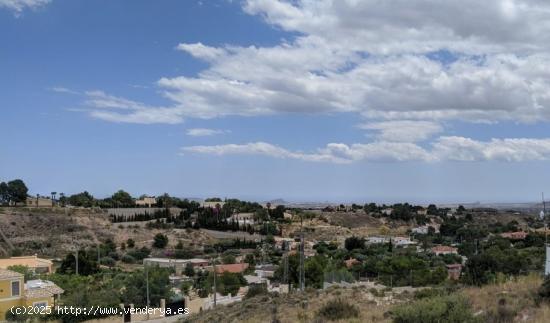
x=255 y=290
x=544 y=289
x=128 y=259
x=449 y=309
x=429 y=293
x=107 y=261
x=160 y=241
x=338 y=309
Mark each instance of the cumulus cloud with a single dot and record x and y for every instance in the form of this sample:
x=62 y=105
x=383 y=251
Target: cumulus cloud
x=384 y=27
x=202 y=132
x=478 y=61
x=201 y=51
x=18 y=6
x=406 y=67
x=443 y=149
x=511 y=149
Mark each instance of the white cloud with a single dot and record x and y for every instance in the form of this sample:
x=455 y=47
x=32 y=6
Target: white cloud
x=403 y=130
x=61 y=89
x=262 y=148
x=376 y=59
x=201 y=51
x=511 y=149
x=371 y=57
x=385 y=27
x=202 y=132
x=333 y=152
x=18 y=6
x=444 y=149
x=116 y=109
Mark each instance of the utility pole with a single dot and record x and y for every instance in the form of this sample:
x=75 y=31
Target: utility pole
x=285 y=272
x=76 y=262
x=147 y=288
x=215 y=274
x=544 y=218
x=302 y=273
x=98 y=256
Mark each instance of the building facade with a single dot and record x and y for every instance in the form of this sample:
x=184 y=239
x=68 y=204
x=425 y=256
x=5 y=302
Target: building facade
x=14 y=293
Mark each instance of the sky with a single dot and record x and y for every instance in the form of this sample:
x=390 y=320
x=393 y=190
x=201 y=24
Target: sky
x=340 y=101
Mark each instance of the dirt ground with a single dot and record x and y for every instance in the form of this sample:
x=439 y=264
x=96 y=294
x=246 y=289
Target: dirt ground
x=55 y=232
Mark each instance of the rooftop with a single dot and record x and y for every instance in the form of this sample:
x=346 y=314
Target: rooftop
x=232 y=268
x=7 y=274
x=29 y=261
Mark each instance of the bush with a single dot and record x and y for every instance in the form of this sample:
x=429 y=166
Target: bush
x=338 y=309
x=255 y=290
x=107 y=261
x=12 y=317
x=160 y=241
x=130 y=243
x=449 y=309
x=128 y=259
x=139 y=254
x=544 y=289
x=183 y=254
x=429 y=293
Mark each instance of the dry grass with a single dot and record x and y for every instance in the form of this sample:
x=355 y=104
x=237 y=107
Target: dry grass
x=297 y=308
x=51 y=232
x=517 y=297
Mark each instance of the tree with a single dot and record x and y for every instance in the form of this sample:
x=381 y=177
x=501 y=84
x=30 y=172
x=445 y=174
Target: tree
x=160 y=241
x=130 y=243
x=4 y=193
x=62 y=199
x=354 y=243
x=314 y=271
x=370 y=208
x=17 y=191
x=278 y=212
x=83 y=199
x=189 y=271
x=228 y=259
x=249 y=259
x=122 y=199
x=135 y=287
x=86 y=265
x=432 y=209
x=228 y=283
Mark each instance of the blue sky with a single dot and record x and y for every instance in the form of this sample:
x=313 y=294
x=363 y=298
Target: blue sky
x=272 y=99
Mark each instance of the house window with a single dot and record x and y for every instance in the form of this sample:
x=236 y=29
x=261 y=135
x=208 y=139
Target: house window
x=15 y=288
x=40 y=305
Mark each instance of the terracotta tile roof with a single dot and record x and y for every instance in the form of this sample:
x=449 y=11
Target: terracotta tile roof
x=37 y=293
x=41 y=288
x=7 y=274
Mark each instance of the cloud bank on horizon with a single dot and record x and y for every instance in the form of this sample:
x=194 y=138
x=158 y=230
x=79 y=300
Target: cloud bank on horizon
x=406 y=68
